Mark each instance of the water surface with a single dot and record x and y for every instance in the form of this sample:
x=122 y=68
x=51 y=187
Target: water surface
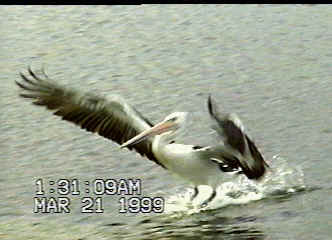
x=271 y=64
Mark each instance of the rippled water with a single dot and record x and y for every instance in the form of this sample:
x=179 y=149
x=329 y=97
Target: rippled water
x=271 y=64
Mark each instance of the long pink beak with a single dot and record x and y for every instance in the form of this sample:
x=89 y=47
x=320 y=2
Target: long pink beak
x=155 y=130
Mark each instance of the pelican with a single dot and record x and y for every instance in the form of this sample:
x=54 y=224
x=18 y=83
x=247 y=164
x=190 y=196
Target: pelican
x=113 y=118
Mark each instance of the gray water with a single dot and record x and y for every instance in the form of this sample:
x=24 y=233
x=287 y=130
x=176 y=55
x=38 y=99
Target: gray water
x=271 y=64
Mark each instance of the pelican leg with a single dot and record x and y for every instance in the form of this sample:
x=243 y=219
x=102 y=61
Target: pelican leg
x=195 y=193
x=212 y=196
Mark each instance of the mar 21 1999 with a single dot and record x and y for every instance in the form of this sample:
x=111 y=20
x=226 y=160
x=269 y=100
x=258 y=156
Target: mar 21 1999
x=54 y=196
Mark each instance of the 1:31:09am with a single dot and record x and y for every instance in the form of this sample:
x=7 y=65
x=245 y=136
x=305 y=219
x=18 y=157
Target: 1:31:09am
x=99 y=187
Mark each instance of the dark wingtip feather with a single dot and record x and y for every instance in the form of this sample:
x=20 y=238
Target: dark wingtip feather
x=23 y=76
x=33 y=74
x=24 y=87
x=210 y=104
x=25 y=95
x=212 y=108
x=19 y=84
x=26 y=79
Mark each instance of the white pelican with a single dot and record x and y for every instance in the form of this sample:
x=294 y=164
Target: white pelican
x=115 y=119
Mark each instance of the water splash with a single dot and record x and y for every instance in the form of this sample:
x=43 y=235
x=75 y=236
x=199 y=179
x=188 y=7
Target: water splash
x=281 y=179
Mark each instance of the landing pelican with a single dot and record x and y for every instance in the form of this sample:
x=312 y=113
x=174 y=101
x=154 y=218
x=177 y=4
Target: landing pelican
x=113 y=118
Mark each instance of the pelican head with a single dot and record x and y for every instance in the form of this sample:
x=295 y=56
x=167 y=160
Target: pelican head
x=168 y=127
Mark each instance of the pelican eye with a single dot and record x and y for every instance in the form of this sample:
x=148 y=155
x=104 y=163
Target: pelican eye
x=172 y=119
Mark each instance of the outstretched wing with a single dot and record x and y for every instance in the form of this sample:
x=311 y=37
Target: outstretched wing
x=231 y=129
x=110 y=117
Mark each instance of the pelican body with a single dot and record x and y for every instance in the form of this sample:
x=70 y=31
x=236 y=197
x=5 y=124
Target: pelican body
x=113 y=118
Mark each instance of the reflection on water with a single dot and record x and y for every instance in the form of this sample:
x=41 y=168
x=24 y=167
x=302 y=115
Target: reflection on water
x=203 y=225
